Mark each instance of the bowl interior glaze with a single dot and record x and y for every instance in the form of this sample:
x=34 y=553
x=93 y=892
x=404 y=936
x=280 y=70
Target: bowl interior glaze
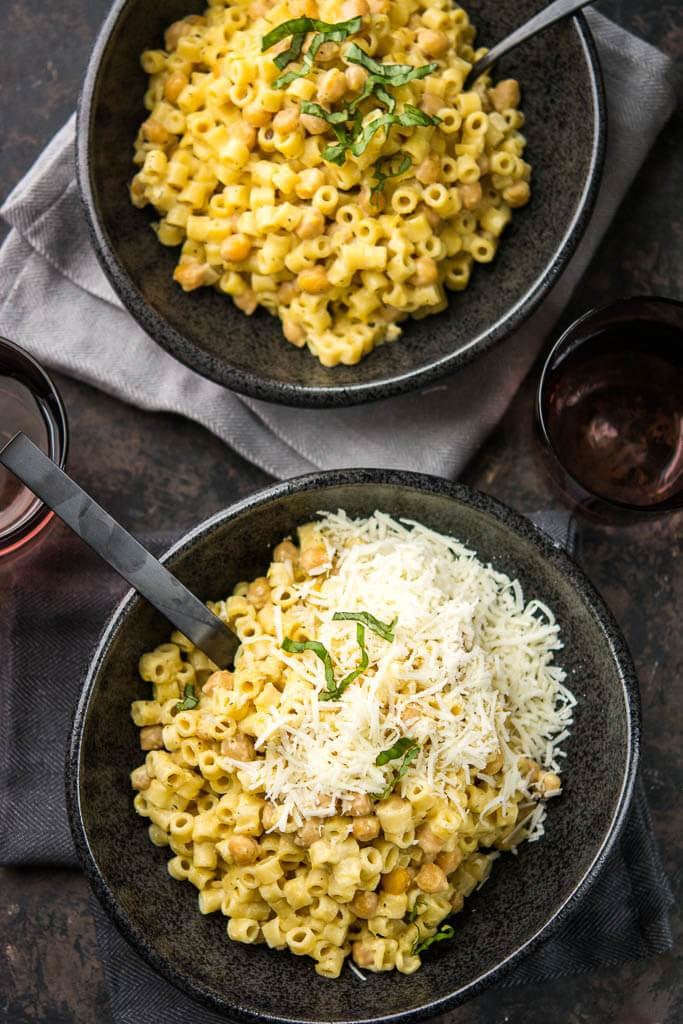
x=525 y=894
x=562 y=101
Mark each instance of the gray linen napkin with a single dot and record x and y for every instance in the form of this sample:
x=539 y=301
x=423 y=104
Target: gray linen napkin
x=56 y=303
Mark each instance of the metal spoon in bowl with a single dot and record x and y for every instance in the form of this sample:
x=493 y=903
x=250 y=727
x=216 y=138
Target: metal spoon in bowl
x=119 y=549
x=548 y=16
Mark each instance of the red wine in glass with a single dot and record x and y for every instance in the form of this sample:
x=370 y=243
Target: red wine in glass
x=611 y=406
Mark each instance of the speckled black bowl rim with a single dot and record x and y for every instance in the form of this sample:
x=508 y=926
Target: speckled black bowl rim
x=549 y=550
x=295 y=394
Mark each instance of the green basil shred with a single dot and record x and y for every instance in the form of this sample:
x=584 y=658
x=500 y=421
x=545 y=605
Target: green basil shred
x=296 y=647
x=336 y=692
x=385 y=630
x=382 y=176
x=446 y=931
x=298 y=29
x=189 y=701
x=408 y=749
x=416 y=909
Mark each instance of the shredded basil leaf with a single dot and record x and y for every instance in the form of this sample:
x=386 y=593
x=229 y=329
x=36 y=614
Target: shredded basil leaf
x=296 y=647
x=385 y=630
x=416 y=909
x=362 y=665
x=446 y=931
x=381 y=176
x=298 y=28
x=391 y=74
x=398 y=750
x=189 y=701
x=406 y=747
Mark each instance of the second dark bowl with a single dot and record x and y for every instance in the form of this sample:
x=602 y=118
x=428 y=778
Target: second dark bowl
x=565 y=127
x=526 y=896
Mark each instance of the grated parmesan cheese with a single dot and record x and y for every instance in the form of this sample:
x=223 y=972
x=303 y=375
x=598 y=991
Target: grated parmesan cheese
x=469 y=674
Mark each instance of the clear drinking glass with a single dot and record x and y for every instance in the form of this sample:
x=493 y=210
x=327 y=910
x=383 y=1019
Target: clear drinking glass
x=29 y=401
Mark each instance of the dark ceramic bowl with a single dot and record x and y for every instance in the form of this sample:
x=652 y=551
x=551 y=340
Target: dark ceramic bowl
x=526 y=896
x=565 y=127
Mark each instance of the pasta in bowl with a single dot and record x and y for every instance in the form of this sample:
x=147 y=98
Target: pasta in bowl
x=345 y=789
x=323 y=161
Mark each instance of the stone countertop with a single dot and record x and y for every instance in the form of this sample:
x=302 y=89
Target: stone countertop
x=167 y=471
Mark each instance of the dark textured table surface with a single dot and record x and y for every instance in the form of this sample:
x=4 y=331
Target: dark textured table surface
x=157 y=471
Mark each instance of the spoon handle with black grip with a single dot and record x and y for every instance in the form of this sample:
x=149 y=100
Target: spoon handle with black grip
x=119 y=549
x=548 y=16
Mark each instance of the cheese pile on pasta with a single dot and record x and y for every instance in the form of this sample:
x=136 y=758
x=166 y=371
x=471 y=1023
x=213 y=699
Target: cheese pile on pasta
x=323 y=160
x=393 y=722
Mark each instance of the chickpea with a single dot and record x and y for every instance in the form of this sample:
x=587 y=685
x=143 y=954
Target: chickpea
x=359 y=806
x=313 y=125
x=151 y=738
x=309 y=182
x=155 y=132
x=426 y=270
x=449 y=860
x=285 y=551
x=428 y=171
x=431 y=878
x=366 y=828
x=243 y=849
x=247 y=134
x=355 y=77
x=354 y=9
x=174 y=85
x=190 y=276
x=332 y=85
x=470 y=194
x=517 y=194
x=494 y=764
x=311 y=224
x=432 y=44
x=314 y=281
x=428 y=842
x=433 y=217
x=257 y=116
x=285 y=294
x=222 y=679
x=286 y=121
x=431 y=103
x=139 y=779
x=240 y=747
x=505 y=95
x=178 y=29
x=364 y=904
x=258 y=592
x=328 y=52
x=396 y=882
x=293 y=332
x=314 y=558
x=550 y=784
x=247 y=301
x=308 y=833
x=235 y=248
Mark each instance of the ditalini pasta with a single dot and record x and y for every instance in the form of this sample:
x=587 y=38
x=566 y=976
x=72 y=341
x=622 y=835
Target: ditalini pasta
x=321 y=160
x=393 y=722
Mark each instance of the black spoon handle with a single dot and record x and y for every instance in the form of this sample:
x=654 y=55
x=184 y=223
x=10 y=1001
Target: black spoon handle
x=546 y=17
x=117 y=547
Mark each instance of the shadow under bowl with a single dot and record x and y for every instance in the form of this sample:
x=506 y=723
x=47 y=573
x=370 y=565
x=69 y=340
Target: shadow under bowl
x=565 y=128
x=526 y=896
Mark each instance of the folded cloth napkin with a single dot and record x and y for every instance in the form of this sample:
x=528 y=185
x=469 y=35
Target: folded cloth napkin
x=56 y=303
x=61 y=595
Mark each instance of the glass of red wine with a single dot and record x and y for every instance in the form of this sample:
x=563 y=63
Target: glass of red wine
x=29 y=401
x=610 y=407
